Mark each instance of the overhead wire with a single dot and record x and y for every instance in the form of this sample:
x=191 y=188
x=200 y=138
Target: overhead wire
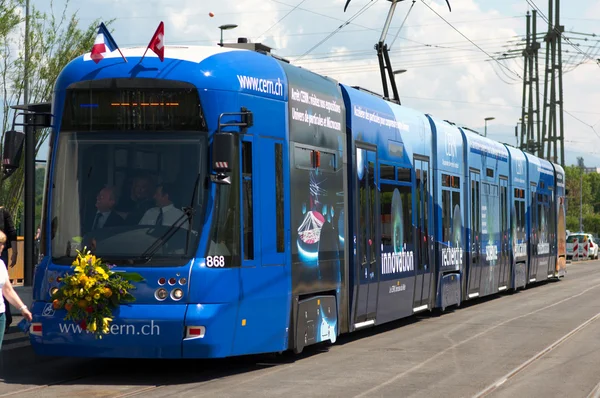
x=581 y=121
x=559 y=33
x=281 y=19
x=412 y=52
x=346 y=23
x=471 y=41
x=402 y=25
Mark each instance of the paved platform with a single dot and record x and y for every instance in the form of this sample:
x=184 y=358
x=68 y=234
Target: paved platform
x=541 y=342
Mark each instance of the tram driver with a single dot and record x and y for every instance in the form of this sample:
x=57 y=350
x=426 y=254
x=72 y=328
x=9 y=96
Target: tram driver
x=165 y=213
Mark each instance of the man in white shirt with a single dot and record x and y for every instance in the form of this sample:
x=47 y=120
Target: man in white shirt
x=165 y=213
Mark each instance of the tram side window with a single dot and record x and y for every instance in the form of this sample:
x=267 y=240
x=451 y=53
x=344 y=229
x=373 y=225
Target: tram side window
x=455 y=235
x=279 y=196
x=473 y=212
x=327 y=162
x=503 y=212
x=475 y=208
x=426 y=212
x=521 y=233
x=303 y=158
x=373 y=212
x=419 y=214
x=404 y=175
x=551 y=215
x=225 y=234
x=446 y=216
x=396 y=218
x=363 y=197
x=247 y=209
x=386 y=172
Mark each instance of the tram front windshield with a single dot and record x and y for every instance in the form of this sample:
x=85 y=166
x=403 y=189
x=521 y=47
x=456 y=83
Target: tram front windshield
x=129 y=176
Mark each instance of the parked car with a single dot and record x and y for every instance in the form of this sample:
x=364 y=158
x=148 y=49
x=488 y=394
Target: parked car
x=592 y=245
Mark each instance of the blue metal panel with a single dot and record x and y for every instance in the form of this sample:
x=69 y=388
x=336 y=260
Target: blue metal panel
x=226 y=81
x=381 y=123
x=518 y=235
x=448 y=149
x=542 y=185
x=490 y=160
x=233 y=71
x=316 y=115
x=264 y=310
x=399 y=133
x=219 y=322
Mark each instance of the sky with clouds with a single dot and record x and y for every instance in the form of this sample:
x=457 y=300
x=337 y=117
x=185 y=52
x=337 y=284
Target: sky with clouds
x=446 y=75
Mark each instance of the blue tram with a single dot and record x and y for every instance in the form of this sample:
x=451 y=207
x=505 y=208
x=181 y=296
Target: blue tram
x=292 y=208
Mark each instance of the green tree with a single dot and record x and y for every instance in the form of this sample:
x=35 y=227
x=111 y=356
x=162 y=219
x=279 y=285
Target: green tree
x=40 y=176
x=594 y=179
x=591 y=224
x=573 y=175
x=573 y=223
x=54 y=42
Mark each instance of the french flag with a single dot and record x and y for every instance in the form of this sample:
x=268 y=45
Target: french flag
x=104 y=43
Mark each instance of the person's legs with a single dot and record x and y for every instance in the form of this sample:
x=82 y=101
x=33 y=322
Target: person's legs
x=2 y=320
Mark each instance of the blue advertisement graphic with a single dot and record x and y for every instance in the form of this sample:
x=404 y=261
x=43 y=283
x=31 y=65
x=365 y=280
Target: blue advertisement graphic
x=327 y=327
x=397 y=222
x=317 y=128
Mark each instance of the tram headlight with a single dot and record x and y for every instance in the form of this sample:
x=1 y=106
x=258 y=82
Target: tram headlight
x=177 y=294
x=161 y=294
x=182 y=281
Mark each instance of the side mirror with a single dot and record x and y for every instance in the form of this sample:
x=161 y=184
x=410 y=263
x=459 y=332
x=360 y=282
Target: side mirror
x=224 y=154
x=12 y=151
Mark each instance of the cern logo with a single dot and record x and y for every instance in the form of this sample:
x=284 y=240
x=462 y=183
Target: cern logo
x=48 y=310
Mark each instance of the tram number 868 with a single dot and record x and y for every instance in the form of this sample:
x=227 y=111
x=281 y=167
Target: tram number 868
x=215 y=261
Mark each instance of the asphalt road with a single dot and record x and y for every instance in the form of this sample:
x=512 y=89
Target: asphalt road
x=541 y=342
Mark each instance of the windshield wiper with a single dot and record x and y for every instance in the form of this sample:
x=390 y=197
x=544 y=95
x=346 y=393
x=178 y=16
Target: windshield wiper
x=192 y=213
x=188 y=212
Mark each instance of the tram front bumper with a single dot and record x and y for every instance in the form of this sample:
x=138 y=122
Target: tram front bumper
x=137 y=331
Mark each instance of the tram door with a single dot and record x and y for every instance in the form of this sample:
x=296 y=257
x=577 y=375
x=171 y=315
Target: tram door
x=367 y=252
x=534 y=236
x=424 y=236
x=474 y=272
x=545 y=228
x=552 y=233
x=504 y=256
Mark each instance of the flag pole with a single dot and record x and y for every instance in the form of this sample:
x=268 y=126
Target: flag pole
x=151 y=40
x=147 y=48
x=118 y=48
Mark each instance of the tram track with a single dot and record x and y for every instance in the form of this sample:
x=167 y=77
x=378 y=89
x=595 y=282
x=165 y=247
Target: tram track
x=42 y=387
x=595 y=393
x=141 y=391
x=440 y=354
x=72 y=380
x=87 y=383
x=526 y=364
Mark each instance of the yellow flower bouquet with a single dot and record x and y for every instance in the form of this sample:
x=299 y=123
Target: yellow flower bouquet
x=91 y=293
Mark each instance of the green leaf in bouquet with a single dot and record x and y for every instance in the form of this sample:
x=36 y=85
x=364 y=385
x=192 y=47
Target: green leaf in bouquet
x=131 y=276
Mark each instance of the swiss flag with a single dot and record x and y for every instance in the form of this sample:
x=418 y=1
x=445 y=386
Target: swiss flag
x=157 y=44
